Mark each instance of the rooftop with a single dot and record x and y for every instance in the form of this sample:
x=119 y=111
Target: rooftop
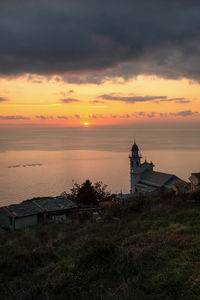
x=55 y=203
x=155 y=178
x=32 y=207
x=24 y=209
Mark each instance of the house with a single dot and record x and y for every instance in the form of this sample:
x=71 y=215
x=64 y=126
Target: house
x=195 y=182
x=143 y=177
x=36 y=211
x=20 y=215
x=59 y=209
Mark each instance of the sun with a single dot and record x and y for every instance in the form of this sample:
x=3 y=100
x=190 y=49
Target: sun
x=86 y=124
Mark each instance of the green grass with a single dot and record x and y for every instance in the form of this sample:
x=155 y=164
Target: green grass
x=152 y=253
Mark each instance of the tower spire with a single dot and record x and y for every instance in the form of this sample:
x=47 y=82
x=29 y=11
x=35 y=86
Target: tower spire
x=135 y=166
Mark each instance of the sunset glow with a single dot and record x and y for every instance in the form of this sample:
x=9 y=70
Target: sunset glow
x=140 y=100
x=96 y=75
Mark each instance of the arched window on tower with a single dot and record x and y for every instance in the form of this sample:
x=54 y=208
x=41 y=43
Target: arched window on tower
x=137 y=163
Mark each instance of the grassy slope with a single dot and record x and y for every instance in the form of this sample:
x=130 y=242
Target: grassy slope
x=152 y=253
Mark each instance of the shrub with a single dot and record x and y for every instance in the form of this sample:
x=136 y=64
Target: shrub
x=113 y=210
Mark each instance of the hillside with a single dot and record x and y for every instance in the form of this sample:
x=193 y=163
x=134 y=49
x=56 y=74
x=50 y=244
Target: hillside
x=153 y=252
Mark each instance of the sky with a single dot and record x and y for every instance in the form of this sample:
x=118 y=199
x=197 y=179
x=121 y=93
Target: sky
x=108 y=62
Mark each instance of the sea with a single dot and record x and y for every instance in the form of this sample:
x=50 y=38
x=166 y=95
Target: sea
x=37 y=162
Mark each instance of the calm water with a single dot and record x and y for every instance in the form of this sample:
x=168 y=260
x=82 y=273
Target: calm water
x=43 y=162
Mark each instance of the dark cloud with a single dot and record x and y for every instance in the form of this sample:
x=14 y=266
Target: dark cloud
x=77 y=116
x=2 y=99
x=62 y=117
x=34 y=79
x=186 y=113
x=69 y=100
x=151 y=115
x=93 y=116
x=14 y=118
x=141 y=113
x=134 y=99
x=41 y=117
x=96 y=116
x=131 y=99
x=97 y=102
x=102 y=39
x=177 y=100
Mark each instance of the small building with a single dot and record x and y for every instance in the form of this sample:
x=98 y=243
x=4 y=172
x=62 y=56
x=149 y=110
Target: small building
x=59 y=209
x=195 y=182
x=143 y=177
x=20 y=215
x=32 y=212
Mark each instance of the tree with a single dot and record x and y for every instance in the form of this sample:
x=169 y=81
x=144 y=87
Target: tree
x=86 y=193
x=100 y=190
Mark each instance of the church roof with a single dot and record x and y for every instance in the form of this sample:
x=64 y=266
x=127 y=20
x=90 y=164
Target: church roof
x=154 y=178
x=146 y=188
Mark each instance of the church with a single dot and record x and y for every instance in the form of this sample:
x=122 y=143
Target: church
x=143 y=177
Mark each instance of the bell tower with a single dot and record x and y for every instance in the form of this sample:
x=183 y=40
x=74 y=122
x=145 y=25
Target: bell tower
x=135 y=166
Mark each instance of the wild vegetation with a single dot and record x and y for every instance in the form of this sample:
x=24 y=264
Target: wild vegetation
x=153 y=252
x=88 y=193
